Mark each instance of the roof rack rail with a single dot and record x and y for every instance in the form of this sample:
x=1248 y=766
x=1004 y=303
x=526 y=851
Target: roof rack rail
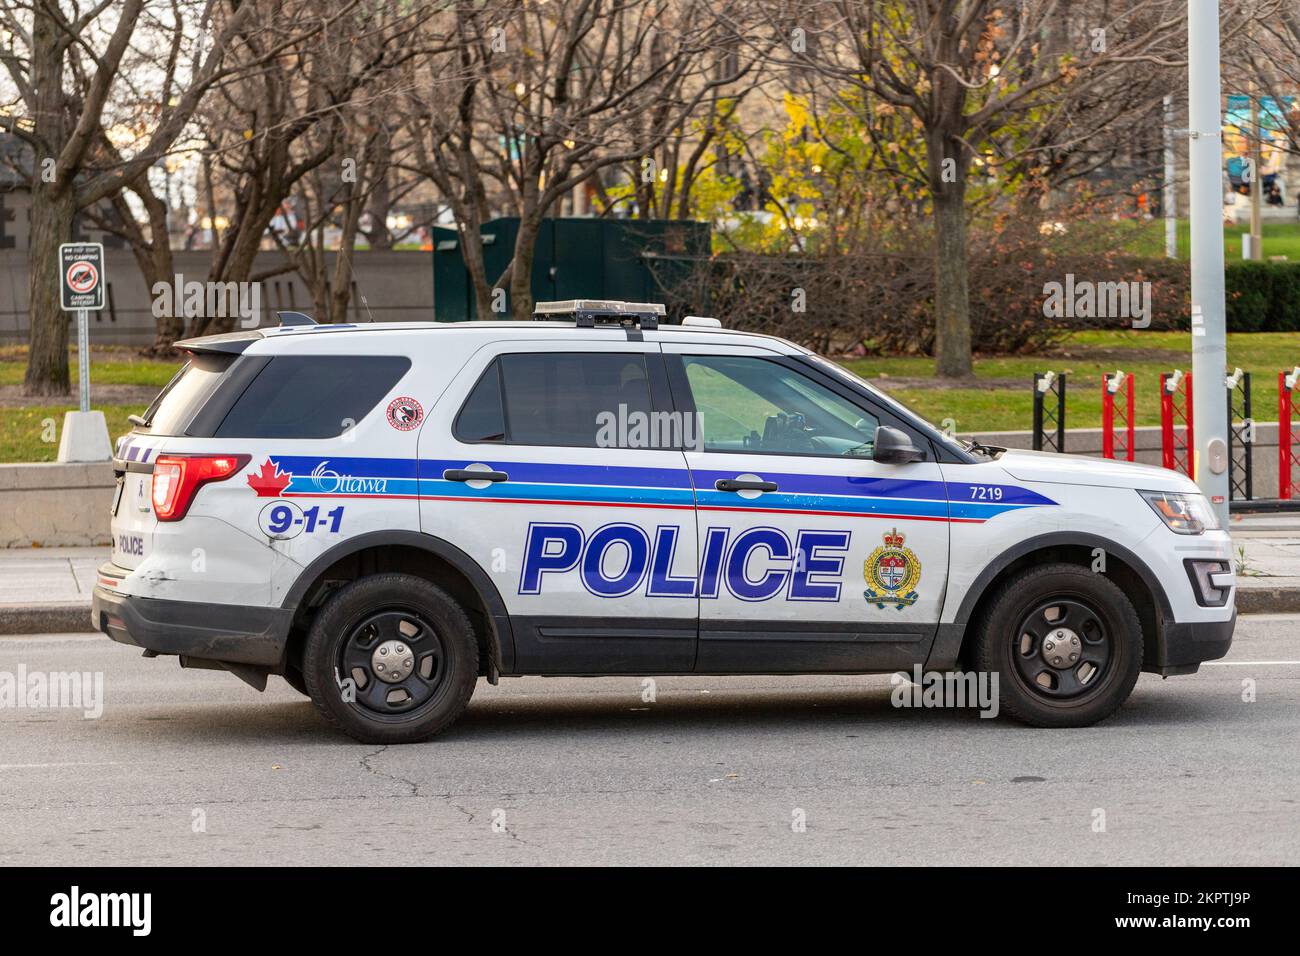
x=589 y=313
x=295 y=318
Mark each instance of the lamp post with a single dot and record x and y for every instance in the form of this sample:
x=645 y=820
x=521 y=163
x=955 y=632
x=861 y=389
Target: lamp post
x=1209 y=337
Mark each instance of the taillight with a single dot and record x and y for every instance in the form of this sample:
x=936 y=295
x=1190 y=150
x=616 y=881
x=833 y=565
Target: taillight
x=176 y=479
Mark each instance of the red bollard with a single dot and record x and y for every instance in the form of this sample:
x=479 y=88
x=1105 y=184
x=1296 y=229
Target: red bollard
x=1109 y=385
x=1286 y=436
x=1177 y=452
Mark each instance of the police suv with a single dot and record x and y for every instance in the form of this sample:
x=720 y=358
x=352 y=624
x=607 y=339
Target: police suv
x=382 y=514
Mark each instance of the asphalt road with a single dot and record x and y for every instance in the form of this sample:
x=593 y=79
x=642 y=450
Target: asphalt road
x=194 y=767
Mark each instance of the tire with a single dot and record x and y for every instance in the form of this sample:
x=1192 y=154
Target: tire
x=1093 y=619
x=400 y=625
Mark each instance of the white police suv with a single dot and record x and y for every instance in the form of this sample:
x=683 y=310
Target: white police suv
x=382 y=514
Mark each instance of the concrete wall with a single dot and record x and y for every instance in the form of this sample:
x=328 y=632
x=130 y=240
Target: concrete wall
x=397 y=286
x=55 y=504
x=50 y=505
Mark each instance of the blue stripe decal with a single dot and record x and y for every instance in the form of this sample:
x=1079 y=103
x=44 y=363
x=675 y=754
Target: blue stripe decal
x=577 y=493
x=634 y=485
x=619 y=476
x=779 y=500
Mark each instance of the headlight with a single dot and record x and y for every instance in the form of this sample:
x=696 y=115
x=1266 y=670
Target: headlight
x=1182 y=512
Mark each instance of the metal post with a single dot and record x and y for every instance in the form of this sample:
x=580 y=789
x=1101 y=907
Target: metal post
x=1256 y=179
x=1060 y=413
x=1168 y=190
x=1037 y=443
x=83 y=356
x=1209 y=340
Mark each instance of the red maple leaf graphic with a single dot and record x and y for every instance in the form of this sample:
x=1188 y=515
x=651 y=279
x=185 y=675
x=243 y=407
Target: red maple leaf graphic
x=270 y=481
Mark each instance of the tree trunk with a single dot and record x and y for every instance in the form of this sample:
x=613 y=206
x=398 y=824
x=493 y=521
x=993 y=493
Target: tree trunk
x=341 y=293
x=952 y=334
x=52 y=213
x=521 y=275
x=471 y=249
x=156 y=264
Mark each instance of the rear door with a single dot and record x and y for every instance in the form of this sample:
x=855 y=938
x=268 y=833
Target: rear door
x=584 y=516
x=813 y=557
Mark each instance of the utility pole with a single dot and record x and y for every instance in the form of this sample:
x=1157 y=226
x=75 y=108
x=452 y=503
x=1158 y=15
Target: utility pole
x=1169 y=190
x=1256 y=178
x=1209 y=338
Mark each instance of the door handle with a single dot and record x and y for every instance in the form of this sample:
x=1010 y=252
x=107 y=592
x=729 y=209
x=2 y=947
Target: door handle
x=737 y=484
x=463 y=474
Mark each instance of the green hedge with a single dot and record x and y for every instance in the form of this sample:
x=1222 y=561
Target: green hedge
x=1263 y=296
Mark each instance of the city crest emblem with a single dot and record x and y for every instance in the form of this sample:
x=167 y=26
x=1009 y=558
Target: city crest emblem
x=893 y=572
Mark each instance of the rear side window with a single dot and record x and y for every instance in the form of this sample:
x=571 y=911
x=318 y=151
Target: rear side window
x=553 y=398
x=311 y=396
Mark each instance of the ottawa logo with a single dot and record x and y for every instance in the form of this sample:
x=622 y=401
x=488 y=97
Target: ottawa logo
x=893 y=572
x=404 y=413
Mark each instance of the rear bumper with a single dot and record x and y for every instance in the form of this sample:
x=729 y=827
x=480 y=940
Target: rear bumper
x=234 y=634
x=1187 y=646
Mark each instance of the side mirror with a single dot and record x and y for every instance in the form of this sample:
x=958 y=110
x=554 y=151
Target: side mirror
x=894 y=447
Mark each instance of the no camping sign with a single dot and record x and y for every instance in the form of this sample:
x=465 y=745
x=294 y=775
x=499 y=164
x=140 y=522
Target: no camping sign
x=81 y=271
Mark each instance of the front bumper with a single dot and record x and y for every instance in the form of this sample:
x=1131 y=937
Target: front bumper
x=234 y=634
x=1187 y=645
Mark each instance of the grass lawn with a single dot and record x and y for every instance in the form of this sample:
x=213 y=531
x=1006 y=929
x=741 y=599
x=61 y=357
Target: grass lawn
x=23 y=430
x=1085 y=356
x=1281 y=238
x=1003 y=402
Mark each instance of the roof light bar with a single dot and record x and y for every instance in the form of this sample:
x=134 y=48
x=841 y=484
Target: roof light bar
x=589 y=313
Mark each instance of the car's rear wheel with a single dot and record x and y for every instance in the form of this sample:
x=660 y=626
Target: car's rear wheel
x=390 y=659
x=1065 y=643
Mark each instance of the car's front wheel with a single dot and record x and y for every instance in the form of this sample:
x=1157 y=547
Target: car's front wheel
x=1065 y=643
x=390 y=659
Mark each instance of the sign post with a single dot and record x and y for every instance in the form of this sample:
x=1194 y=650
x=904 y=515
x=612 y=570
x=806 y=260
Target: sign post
x=81 y=284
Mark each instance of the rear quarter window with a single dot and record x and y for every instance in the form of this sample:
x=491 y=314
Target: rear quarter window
x=311 y=396
x=186 y=394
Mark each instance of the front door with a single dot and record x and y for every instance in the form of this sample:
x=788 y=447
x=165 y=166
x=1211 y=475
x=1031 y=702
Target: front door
x=812 y=556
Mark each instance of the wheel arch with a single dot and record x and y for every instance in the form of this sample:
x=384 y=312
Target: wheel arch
x=413 y=552
x=1122 y=566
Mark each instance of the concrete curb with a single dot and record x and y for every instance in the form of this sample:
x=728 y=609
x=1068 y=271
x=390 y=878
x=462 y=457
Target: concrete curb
x=73 y=617
x=64 y=617
x=1265 y=600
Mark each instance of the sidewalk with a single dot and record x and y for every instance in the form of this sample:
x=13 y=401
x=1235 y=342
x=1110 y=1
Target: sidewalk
x=47 y=590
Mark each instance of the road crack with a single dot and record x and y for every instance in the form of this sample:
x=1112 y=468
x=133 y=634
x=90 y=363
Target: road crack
x=413 y=788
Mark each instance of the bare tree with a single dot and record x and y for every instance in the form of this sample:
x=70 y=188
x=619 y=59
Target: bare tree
x=276 y=125
x=66 y=63
x=556 y=93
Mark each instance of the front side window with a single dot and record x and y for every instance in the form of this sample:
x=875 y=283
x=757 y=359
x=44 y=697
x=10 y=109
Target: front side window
x=756 y=405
